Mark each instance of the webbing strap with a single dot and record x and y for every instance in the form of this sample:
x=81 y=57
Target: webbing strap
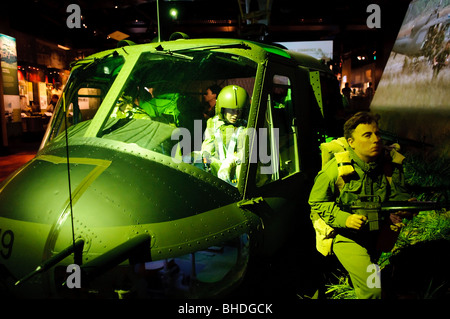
x=222 y=150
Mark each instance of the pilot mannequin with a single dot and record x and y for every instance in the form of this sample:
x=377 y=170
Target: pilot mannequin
x=222 y=149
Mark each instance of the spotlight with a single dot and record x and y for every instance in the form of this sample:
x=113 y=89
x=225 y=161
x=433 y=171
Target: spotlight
x=173 y=13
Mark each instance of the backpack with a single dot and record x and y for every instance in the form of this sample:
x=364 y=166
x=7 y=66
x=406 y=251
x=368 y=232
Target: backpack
x=324 y=232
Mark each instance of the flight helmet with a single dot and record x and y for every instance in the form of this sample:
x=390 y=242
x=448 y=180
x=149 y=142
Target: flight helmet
x=232 y=97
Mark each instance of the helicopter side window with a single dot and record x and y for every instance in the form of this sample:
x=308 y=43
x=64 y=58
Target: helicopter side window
x=89 y=100
x=277 y=146
x=89 y=84
x=80 y=108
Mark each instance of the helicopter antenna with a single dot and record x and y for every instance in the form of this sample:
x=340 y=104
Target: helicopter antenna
x=68 y=169
x=157 y=17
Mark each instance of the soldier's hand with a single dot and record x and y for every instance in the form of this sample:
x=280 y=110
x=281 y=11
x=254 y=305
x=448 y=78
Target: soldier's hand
x=396 y=218
x=405 y=214
x=397 y=221
x=355 y=221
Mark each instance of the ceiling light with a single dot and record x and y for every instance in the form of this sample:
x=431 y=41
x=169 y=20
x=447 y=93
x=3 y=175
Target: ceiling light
x=173 y=13
x=63 y=47
x=117 y=35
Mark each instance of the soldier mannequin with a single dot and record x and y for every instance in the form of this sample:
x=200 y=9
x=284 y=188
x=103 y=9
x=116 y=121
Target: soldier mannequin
x=224 y=134
x=354 y=245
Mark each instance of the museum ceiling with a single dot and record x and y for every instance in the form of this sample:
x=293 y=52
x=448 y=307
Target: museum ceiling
x=103 y=22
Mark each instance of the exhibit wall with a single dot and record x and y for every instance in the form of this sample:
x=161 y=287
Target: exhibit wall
x=413 y=96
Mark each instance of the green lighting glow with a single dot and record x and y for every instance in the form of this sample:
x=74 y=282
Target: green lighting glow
x=173 y=13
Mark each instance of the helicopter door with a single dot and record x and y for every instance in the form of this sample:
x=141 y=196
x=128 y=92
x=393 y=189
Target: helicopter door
x=273 y=181
x=278 y=149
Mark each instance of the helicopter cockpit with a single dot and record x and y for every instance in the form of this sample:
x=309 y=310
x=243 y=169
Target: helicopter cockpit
x=159 y=107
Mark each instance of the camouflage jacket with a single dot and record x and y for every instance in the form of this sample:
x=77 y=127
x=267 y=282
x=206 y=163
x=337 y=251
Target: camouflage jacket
x=384 y=178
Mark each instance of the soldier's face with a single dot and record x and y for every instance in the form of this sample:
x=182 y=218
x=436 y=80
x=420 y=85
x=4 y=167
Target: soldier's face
x=232 y=115
x=209 y=95
x=366 y=142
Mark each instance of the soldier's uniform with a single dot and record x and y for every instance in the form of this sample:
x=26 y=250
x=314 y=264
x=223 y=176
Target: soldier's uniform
x=356 y=250
x=223 y=145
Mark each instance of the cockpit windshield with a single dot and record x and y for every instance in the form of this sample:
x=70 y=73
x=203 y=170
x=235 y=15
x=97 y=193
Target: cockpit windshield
x=164 y=94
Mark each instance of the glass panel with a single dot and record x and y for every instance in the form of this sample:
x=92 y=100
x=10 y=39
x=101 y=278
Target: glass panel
x=201 y=274
x=162 y=105
x=279 y=158
x=88 y=85
x=89 y=100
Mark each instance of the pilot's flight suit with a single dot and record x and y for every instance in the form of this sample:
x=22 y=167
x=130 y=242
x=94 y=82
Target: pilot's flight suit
x=356 y=250
x=223 y=147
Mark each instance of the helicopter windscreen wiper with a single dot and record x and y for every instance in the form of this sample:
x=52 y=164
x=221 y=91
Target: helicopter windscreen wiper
x=239 y=45
x=160 y=50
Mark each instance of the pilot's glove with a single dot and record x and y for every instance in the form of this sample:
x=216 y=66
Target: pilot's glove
x=227 y=167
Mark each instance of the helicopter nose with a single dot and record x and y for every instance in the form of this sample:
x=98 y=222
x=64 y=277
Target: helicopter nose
x=148 y=192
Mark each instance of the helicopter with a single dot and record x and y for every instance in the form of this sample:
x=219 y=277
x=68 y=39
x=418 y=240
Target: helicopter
x=117 y=191
x=412 y=41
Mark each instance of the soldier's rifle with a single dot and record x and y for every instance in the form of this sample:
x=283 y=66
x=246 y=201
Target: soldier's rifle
x=372 y=207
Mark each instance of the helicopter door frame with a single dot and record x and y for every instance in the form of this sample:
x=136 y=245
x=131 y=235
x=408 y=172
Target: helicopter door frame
x=297 y=80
